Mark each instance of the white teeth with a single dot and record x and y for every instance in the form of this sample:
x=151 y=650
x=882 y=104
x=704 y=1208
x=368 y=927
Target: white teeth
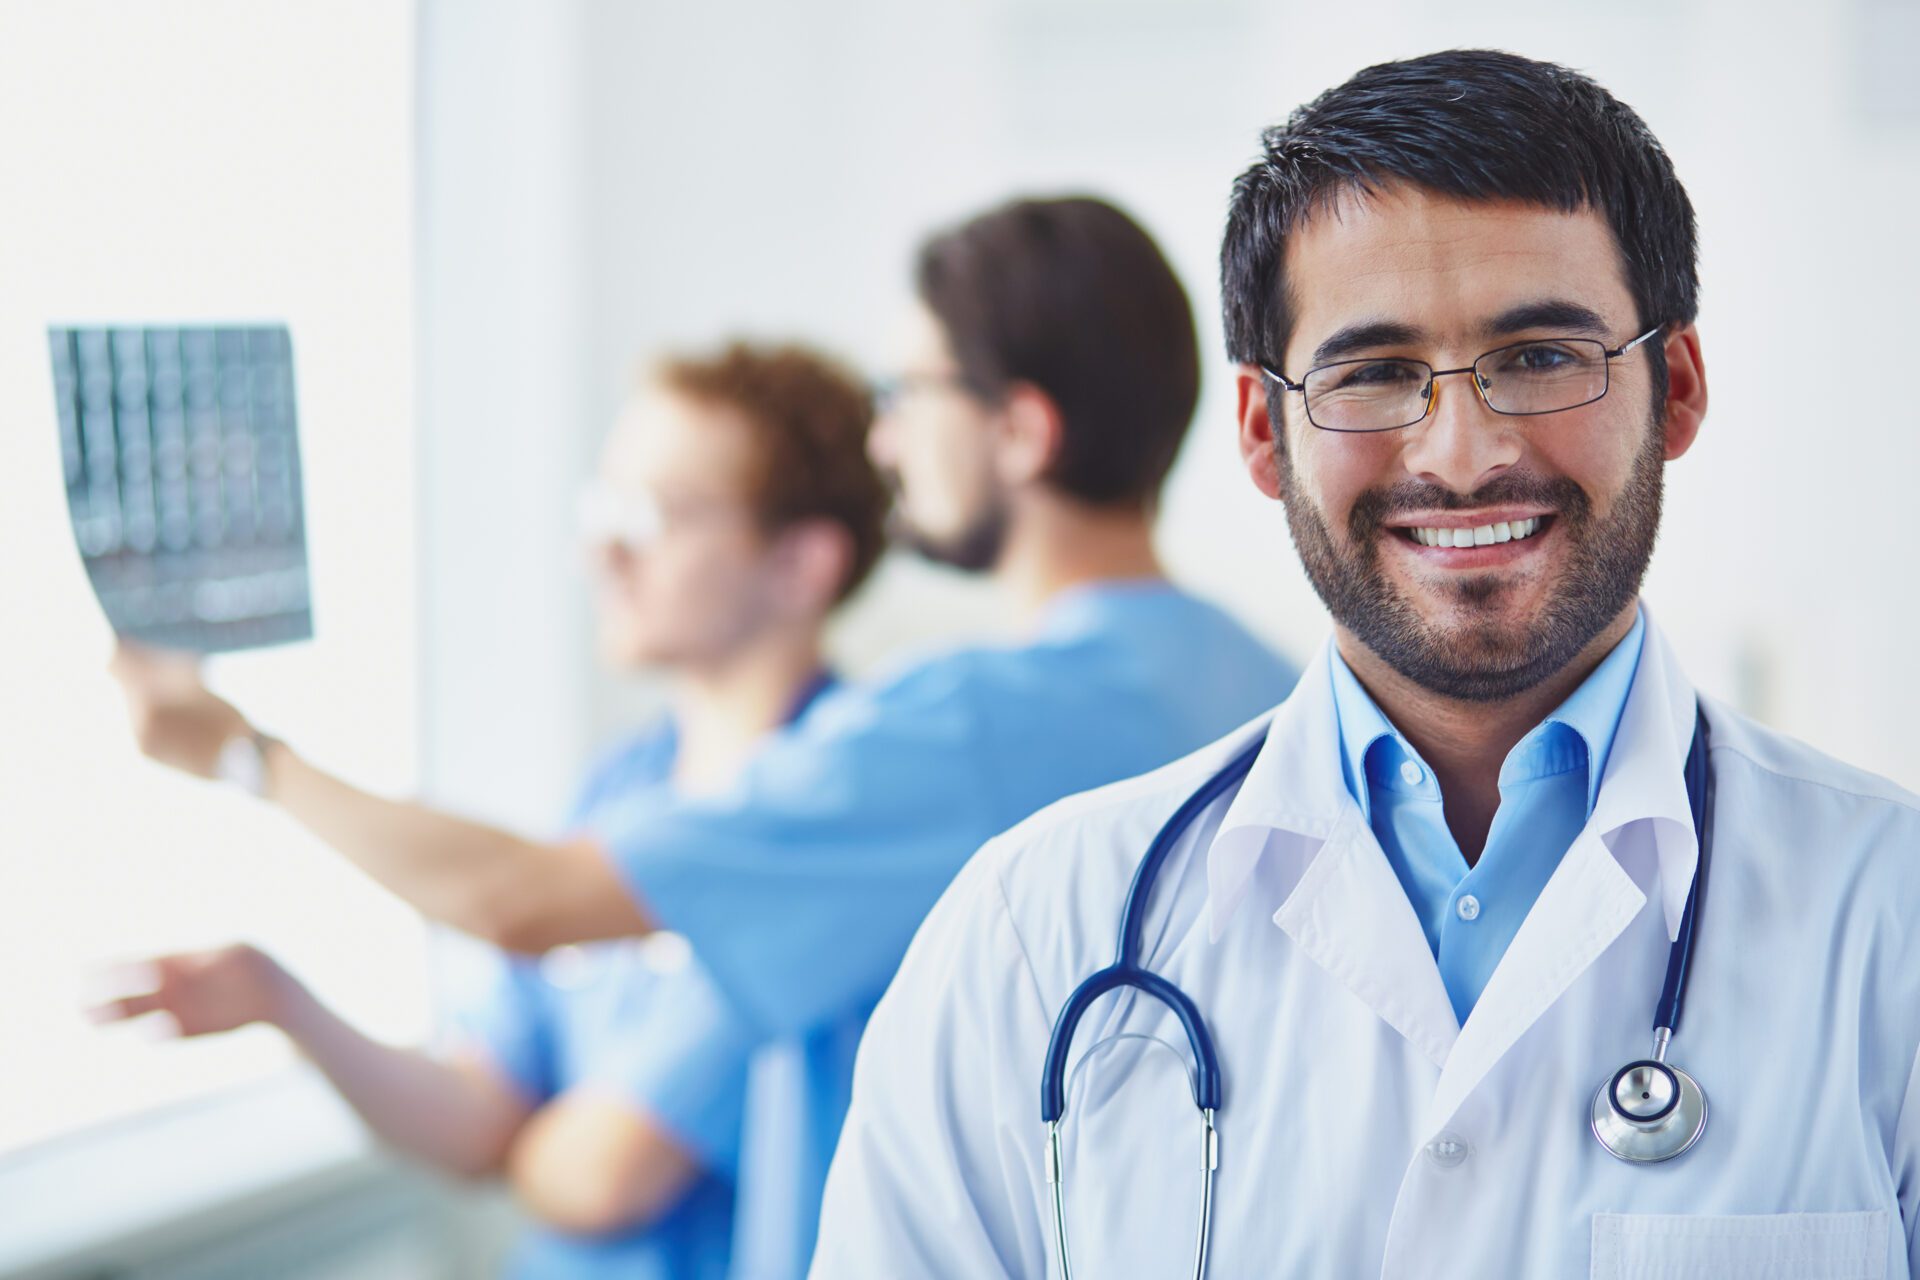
x=1484 y=535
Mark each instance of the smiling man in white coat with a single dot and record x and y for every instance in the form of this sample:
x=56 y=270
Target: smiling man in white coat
x=1426 y=913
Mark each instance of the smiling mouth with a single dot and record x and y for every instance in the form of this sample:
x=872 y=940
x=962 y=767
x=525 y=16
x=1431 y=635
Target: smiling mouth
x=1485 y=535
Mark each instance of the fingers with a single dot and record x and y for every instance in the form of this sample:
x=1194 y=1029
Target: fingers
x=127 y=1007
x=134 y=665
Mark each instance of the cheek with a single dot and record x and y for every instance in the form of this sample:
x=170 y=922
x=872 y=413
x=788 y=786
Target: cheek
x=948 y=470
x=1331 y=471
x=712 y=585
x=1594 y=451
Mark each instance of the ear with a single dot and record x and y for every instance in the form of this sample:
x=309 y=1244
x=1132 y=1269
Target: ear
x=1256 y=431
x=1028 y=436
x=1686 y=390
x=813 y=559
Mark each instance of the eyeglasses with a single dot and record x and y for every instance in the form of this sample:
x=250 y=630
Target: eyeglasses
x=1540 y=375
x=609 y=516
x=889 y=392
x=606 y=516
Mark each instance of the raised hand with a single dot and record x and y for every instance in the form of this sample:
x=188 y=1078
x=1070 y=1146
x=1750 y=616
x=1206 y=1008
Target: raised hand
x=176 y=720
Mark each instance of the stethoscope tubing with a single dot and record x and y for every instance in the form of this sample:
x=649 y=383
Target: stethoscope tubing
x=1126 y=972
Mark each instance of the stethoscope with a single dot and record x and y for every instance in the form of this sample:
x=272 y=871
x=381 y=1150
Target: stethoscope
x=1646 y=1112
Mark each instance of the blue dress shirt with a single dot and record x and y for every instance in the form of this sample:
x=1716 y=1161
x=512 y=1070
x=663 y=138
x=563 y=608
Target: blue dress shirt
x=1548 y=785
x=801 y=886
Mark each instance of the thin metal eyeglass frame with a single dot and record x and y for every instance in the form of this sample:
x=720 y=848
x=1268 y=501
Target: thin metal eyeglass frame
x=886 y=393
x=1479 y=382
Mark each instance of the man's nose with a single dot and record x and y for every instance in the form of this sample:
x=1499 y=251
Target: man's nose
x=880 y=441
x=1461 y=444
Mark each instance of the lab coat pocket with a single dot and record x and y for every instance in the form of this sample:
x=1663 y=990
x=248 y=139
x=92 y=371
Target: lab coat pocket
x=1745 y=1246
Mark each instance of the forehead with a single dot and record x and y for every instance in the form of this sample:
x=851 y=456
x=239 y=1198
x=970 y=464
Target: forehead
x=665 y=440
x=1445 y=268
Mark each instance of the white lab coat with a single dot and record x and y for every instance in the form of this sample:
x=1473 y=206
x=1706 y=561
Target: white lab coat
x=1363 y=1132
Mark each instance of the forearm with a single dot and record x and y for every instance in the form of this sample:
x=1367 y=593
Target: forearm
x=452 y=1117
x=491 y=883
x=595 y=1165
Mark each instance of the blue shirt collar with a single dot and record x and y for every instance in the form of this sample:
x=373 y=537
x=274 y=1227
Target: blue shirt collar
x=1374 y=754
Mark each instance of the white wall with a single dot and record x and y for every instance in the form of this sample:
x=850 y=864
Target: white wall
x=200 y=160
x=769 y=167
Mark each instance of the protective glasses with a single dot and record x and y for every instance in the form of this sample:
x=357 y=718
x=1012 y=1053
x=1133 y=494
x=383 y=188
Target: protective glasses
x=609 y=517
x=1540 y=375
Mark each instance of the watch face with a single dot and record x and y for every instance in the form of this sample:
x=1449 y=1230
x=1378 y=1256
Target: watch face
x=242 y=764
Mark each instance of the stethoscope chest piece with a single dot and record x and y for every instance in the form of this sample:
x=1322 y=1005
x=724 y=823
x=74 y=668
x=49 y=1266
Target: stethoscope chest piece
x=1649 y=1112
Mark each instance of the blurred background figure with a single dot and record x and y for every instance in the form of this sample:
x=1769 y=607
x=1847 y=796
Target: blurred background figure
x=735 y=508
x=1054 y=373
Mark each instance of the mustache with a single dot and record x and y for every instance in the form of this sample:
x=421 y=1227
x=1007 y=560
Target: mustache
x=1374 y=509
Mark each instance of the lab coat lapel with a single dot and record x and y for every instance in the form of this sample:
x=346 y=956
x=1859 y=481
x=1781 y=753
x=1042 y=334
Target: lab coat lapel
x=1586 y=904
x=1591 y=898
x=1350 y=915
x=1343 y=907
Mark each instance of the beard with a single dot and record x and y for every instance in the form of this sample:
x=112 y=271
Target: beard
x=1487 y=658
x=975 y=547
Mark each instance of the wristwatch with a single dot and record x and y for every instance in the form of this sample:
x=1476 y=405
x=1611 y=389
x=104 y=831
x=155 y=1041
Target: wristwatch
x=243 y=762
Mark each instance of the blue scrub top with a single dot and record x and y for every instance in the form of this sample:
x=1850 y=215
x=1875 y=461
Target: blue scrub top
x=639 y=1020
x=801 y=885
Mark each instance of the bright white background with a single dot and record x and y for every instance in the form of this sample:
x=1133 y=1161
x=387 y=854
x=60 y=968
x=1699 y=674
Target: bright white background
x=173 y=162
x=475 y=226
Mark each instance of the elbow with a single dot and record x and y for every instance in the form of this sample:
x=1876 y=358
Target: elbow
x=503 y=916
x=549 y=897
x=513 y=933
x=575 y=1201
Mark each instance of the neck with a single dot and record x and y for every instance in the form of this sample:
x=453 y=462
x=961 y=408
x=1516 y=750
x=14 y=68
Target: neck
x=1466 y=743
x=1056 y=543
x=723 y=707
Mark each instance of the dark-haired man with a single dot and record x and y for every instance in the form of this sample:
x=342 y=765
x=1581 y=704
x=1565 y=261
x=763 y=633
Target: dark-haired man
x=1054 y=375
x=1427 y=911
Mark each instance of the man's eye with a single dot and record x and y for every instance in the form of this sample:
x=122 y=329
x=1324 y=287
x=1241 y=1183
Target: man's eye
x=1378 y=374
x=1539 y=357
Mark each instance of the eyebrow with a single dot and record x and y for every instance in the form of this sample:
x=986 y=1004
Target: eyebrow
x=1365 y=336
x=1547 y=313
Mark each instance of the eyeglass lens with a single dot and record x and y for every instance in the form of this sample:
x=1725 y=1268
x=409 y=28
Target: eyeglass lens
x=1526 y=378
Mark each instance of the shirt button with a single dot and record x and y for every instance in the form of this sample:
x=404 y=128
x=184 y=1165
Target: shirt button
x=1468 y=907
x=1449 y=1150
x=1411 y=774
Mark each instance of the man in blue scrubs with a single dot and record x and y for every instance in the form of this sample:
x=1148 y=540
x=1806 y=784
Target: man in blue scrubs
x=1051 y=373
x=734 y=508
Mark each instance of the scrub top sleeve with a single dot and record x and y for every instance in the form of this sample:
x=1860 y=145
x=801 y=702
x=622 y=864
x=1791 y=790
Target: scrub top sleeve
x=683 y=1063
x=801 y=886
x=504 y=1018
x=939 y=1168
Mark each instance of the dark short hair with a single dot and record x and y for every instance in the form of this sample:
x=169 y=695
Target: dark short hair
x=1073 y=297
x=809 y=417
x=1472 y=124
